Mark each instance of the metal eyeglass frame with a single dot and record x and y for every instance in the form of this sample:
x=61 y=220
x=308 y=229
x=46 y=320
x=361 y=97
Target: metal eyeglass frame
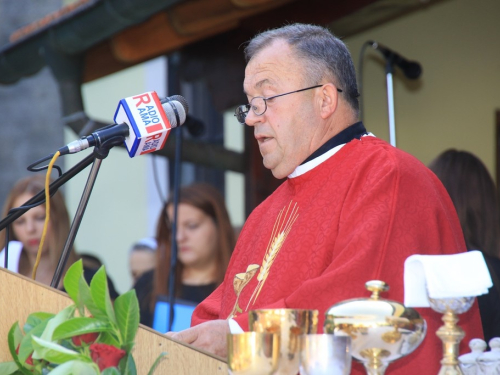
x=241 y=111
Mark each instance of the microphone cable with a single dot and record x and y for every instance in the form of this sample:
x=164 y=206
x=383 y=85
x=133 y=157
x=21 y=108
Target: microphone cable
x=163 y=198
x=47 y=213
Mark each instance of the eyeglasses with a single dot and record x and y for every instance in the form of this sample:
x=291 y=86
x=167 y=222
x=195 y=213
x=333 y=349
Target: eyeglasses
x=259 y=105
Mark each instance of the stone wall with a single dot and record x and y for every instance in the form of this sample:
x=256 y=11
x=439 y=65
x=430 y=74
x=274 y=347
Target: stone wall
x=30 y=110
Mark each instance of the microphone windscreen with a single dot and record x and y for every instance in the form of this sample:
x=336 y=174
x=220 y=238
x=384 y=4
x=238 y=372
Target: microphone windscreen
x=412 y=69
x=181 y=100
x=176 y=112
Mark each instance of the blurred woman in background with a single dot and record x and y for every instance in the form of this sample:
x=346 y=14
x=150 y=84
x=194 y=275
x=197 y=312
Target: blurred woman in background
x=475 y=198
x=205 y=241
x=142 y=257
x=25 y=234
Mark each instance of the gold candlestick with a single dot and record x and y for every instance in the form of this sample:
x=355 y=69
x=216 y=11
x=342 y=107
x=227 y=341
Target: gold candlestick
x=450 y=333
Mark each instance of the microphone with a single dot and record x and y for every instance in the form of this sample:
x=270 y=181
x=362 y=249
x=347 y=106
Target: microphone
x=411 y=69
x=143 y=120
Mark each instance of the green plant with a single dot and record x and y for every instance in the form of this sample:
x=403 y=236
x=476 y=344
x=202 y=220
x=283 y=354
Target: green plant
x=72 y=342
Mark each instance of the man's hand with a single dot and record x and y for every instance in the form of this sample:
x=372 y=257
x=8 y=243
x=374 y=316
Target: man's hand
x=210 y=336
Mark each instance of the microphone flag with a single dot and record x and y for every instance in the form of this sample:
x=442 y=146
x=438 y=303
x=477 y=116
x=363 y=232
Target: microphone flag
x=148 y=124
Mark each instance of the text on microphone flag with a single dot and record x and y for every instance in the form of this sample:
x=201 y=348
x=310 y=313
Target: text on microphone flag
x=148 y=124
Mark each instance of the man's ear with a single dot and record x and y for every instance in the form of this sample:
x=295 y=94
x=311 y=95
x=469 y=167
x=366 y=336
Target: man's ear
x=328 y=100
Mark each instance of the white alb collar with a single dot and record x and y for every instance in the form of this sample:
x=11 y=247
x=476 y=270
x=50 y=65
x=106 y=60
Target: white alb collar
x=303 y=168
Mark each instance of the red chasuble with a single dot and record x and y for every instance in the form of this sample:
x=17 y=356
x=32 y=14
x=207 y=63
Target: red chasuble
x=320 y=236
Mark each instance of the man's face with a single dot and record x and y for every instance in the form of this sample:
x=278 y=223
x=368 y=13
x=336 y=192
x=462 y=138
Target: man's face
x=285 y=132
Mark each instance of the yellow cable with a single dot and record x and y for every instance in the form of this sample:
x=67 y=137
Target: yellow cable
x=47 y=212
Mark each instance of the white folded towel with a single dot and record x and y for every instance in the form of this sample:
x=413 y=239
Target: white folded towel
x=445 y=276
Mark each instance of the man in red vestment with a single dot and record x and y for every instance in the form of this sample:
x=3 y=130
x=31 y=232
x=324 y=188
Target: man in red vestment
x=352 y=208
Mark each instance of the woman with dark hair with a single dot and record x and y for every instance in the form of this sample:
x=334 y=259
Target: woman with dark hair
x=475 y=198
x=205 y=241
x=474 y=195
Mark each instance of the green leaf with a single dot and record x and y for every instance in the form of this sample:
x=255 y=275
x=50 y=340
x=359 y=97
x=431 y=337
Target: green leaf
x=79 y=326
x=157 y=362
x=61 y=316
x=71 y=284
x=100 y=294
x=35 y=319
x=55 y=353
x=26 y=347
x=13 y=346
x=127 y=365
x=18 y=334
x=109 y=338
x=127 y=317
x=75 y=368
x=86 y=296
x=111 y=371
x=7 y=368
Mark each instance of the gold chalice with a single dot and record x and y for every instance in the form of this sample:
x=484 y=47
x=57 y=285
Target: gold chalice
x=290 y=324
x=450 y=333
x=381 y=330
x=253 y=353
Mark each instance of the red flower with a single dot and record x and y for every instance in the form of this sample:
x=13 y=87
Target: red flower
x=106 y=355
x=29 y=360
x=87 y=338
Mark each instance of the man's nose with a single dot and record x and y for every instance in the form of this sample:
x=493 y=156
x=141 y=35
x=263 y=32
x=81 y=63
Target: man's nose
x=252 y=118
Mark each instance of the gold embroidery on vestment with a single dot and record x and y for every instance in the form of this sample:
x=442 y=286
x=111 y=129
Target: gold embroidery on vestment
x=282 y=226
x=239 y=282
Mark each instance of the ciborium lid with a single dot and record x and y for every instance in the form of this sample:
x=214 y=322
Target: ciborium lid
x=381 y=330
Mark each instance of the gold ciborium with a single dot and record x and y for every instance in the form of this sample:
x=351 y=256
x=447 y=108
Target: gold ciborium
x=381 y=330
x=290 y=324
x=450 y=333
x=253 y=353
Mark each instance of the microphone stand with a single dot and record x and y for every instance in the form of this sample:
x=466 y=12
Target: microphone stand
x=173 y=86
x=173 y=239
x=100 y=153
x=389 y=69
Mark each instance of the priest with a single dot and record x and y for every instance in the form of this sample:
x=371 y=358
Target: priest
x=352 y=207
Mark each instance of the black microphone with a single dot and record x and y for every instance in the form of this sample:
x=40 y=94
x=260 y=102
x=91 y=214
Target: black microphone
x=194 y=126
x=411 y=69
x=144 y=124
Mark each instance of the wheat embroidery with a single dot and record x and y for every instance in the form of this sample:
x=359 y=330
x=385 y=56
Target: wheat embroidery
x=282 y=227
x=239 y=282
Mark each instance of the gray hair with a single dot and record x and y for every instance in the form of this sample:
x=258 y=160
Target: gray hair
x=322 y=54
x=145 y=244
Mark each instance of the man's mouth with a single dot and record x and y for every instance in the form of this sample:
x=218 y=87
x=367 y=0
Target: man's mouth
x=262 y=139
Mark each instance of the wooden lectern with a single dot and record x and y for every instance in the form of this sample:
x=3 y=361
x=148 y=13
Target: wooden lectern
x=21 y=296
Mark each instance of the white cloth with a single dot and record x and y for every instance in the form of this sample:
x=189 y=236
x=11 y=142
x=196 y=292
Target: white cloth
x=234 y=327
x=444 y=276
x=15 y=248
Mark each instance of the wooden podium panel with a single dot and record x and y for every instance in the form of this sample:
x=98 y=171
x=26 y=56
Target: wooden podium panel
x=21 y=296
